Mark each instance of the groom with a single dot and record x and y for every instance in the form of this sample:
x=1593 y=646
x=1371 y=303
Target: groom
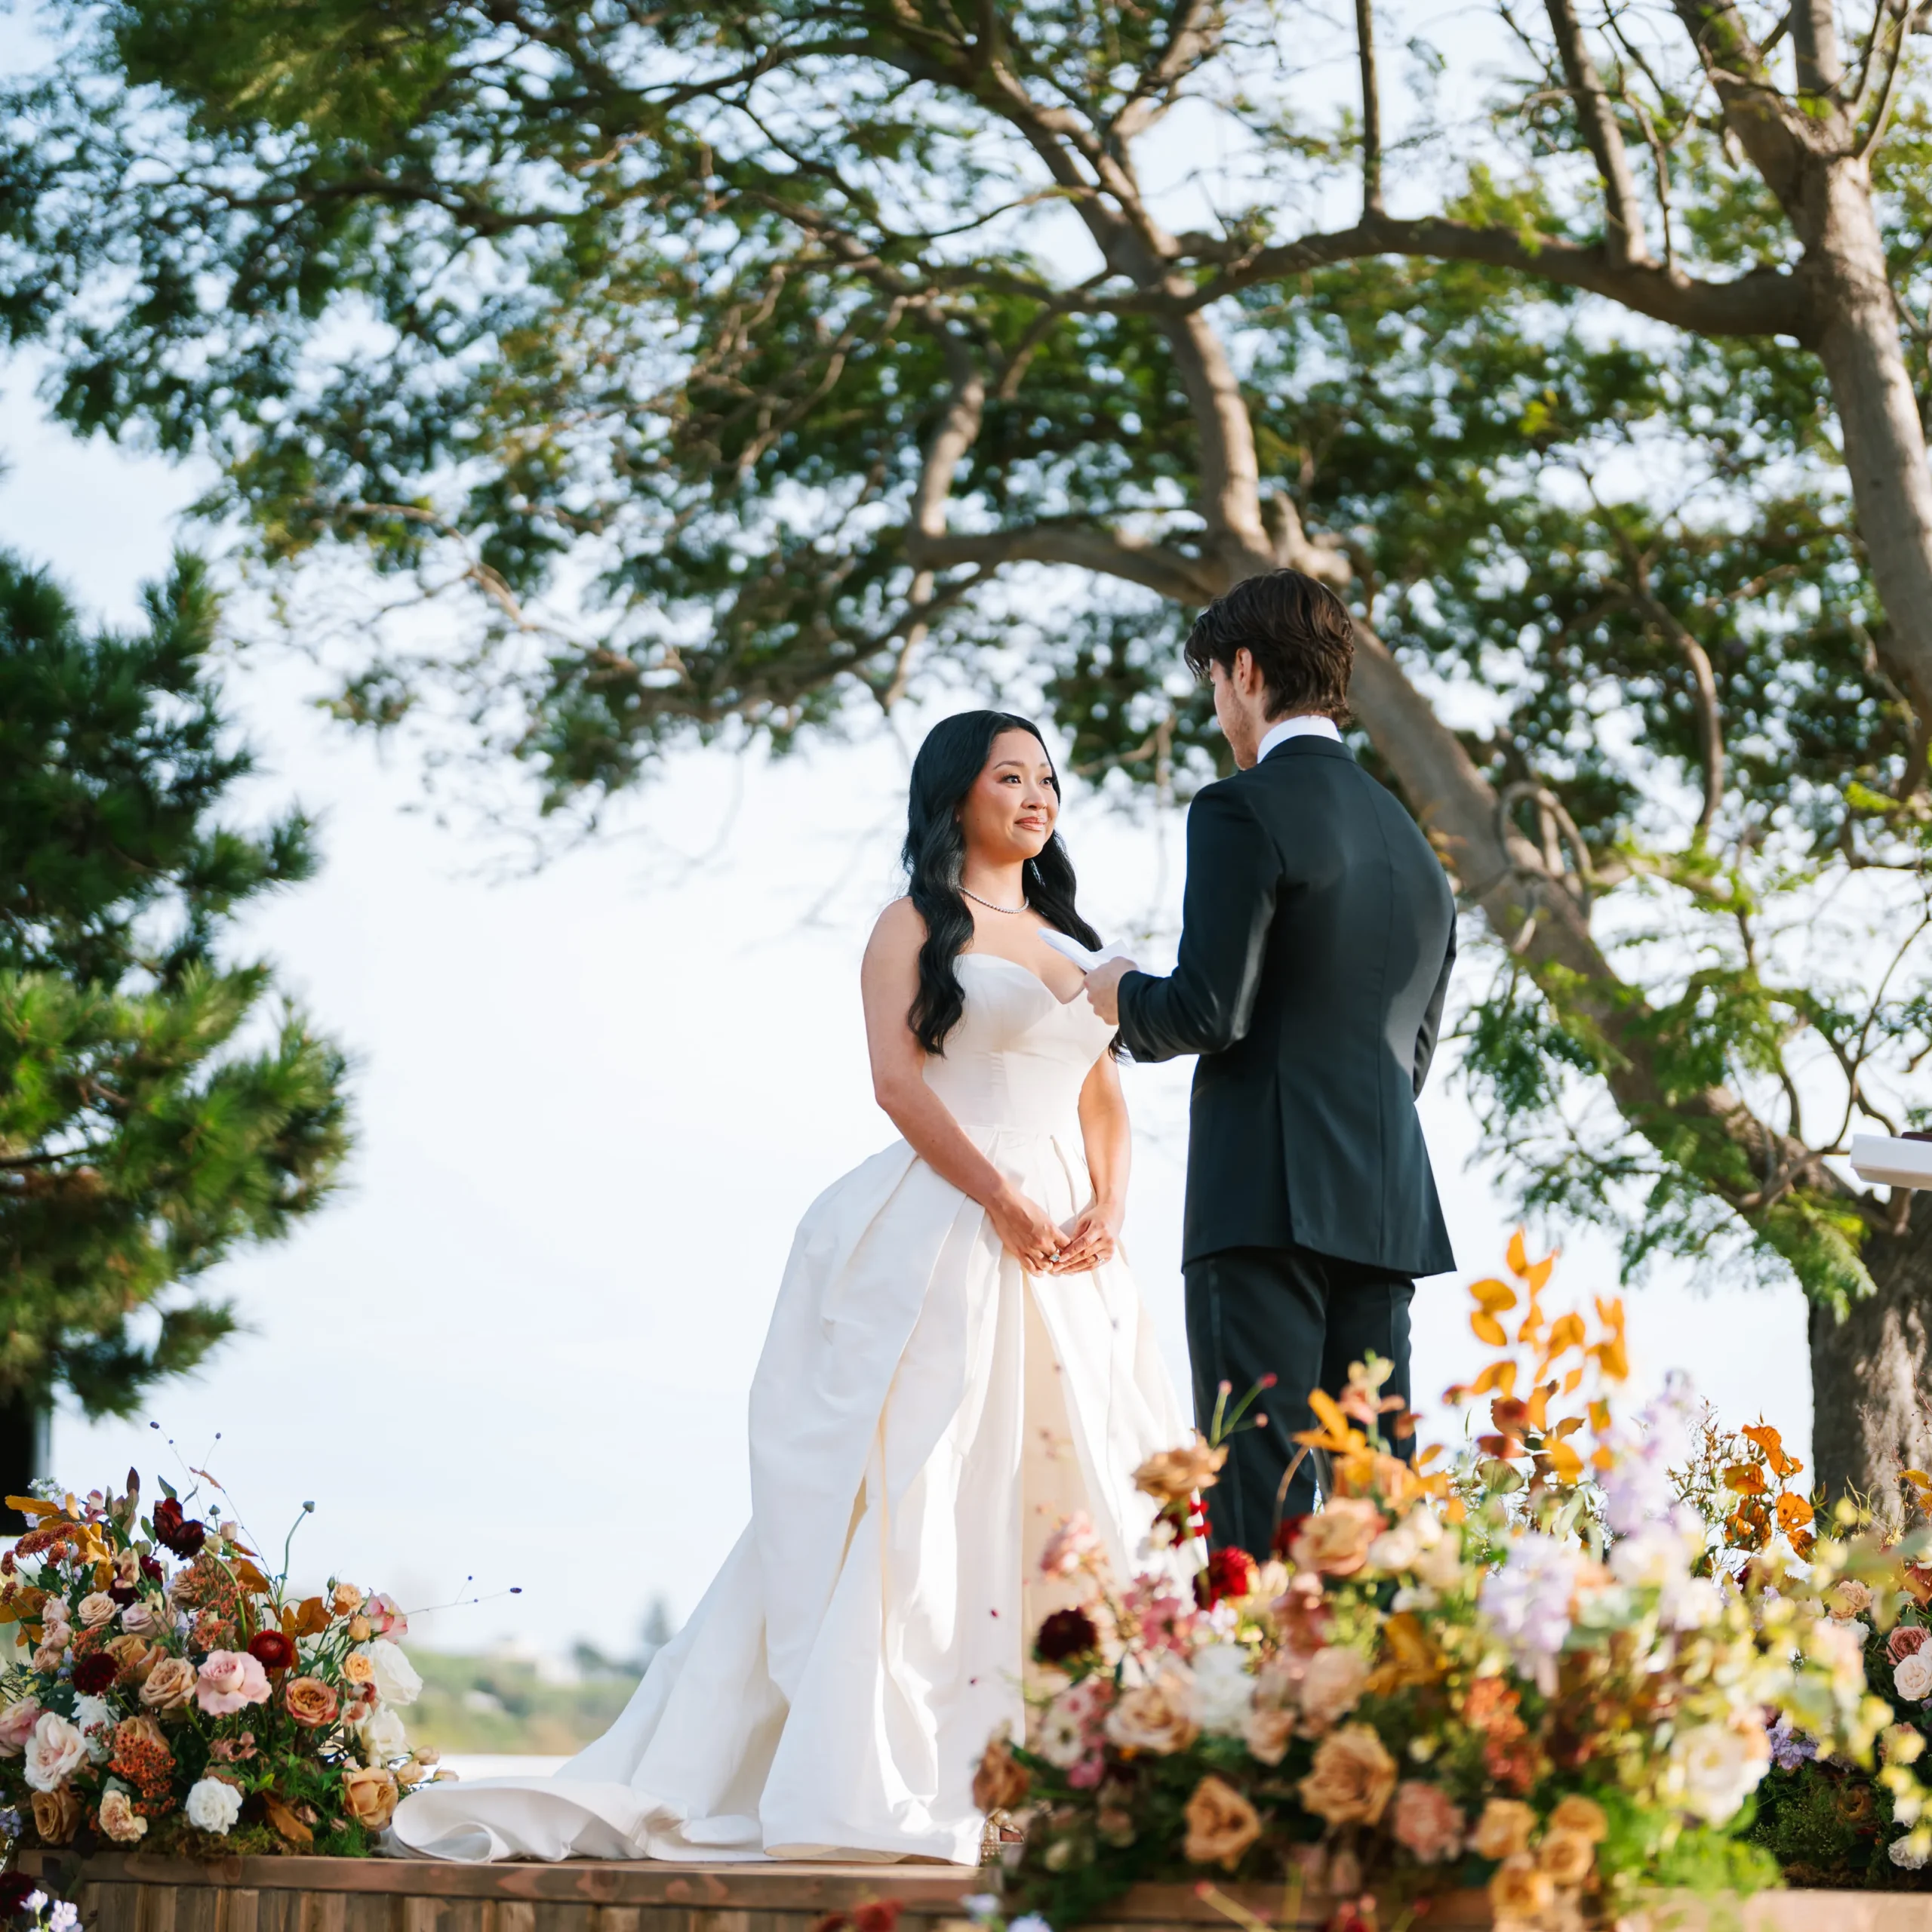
x=1317 y=933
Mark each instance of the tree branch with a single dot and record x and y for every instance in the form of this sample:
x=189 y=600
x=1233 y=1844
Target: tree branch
x=1762 y=302
x=1371 y=110
x=1171 y=573
x=1624 y=216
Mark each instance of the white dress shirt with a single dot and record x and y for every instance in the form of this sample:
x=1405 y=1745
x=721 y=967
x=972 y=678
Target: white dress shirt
x=1297 y=728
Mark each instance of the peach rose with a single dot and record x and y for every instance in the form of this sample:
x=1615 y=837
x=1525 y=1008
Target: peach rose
x=1848 y=1598
x=98 y=1608
x=1174 y=1475
x=1569 y=1857
x=1426 y=1824
x=1002 y=1783
x=1907 y=1638
x=369 y=1796
x=1335 y=1539
x=1351 y=1779
x=346 y=1600
x=1267 y=1731
x=1158 y=1717
x=1221 y=1825
x=133 y=1658
x=1503 y=1830
x=1331 y=1686
x=359 y=1668
x=170 y=1684
x=118 y=1818
x=310 y=1702
x=1518 y=1891
x=1583 y=1815
x=132 y=1732
x=56 y=1814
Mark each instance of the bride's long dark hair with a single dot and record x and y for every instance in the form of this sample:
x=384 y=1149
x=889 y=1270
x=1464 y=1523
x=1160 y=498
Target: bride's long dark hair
x=951 y=758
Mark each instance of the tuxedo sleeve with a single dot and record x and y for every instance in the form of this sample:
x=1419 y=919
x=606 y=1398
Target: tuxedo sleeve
x=1432 y=1020
x=1233 y=876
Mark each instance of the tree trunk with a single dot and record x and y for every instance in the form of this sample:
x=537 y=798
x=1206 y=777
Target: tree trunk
x=1871 y=1377
x=1872 y=393
x=24 y=1452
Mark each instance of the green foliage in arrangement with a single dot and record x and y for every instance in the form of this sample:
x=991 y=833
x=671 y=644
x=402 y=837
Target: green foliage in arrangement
x=159 y=1108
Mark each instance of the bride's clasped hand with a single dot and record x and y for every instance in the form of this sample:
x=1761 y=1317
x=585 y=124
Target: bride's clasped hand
x=958 y=1362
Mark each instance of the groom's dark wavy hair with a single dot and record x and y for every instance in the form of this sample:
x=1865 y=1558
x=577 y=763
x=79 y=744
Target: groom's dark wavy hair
x=954 y=753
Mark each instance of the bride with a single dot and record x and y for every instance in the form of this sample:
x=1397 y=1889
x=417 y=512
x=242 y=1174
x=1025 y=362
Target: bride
x=958 y=1361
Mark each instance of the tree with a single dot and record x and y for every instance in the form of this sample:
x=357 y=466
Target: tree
x=796 y=342
x=142 y=1141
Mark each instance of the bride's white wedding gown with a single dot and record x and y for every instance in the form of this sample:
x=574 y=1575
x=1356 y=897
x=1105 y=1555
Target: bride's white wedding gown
x=924 y=1415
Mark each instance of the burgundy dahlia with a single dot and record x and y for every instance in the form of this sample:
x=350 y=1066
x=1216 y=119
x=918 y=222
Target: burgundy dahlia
x=271 y=1650
x=16 y=1887
x=174 y=1531
x=94 y=1673
x=1066 y=1633
x=1230 y=1573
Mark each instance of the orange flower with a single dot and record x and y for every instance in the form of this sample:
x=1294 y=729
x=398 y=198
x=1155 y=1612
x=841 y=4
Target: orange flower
x=1175 y=1474
x=1221 y=1825
x=1351 y=1779
x=369 y=1796
x=1002 y=1783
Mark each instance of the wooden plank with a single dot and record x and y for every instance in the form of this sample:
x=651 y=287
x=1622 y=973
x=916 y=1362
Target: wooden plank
x=512 y=1915
x=241 y=1908
x=157 y=1908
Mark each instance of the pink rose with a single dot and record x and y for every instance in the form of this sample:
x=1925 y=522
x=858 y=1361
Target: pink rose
x=17 y=1724
x=230 y=1680
x=1071 y=1547
x=1905 y=1639
x=386 y=1617
x=1426 y=1823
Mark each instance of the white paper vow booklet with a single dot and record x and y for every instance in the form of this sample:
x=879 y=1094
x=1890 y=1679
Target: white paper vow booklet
x=1084 y=957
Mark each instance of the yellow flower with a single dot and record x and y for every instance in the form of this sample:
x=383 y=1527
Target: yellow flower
x=1568 y=1857
x=1583 y=1816
x=1518 y=1890
x=1503 y=1830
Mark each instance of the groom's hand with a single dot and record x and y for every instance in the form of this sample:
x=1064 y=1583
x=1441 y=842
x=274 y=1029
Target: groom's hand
x=1103 y=987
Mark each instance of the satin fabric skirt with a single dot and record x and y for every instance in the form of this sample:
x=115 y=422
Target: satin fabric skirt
x=924 y=1416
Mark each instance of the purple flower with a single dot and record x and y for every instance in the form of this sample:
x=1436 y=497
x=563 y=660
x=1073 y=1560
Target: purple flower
x=1527 y=1601
x=1790 y=1747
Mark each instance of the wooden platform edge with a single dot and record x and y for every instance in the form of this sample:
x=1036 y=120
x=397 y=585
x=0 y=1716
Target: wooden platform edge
x=769 y=1897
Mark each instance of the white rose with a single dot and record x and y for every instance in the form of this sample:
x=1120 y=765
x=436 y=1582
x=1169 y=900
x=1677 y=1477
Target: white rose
x=55 y=1751
x=381 y=1736
x=1903 y=1851
x=396 y=1680
x=1717 y=1767
x=1653 y=1559
x=94 y=1717
x=1394 y=1551
x=1440 y=1565
x=1222 y=1688
x=1694 y=1603
x=1912 y=1677
x=213 y=1806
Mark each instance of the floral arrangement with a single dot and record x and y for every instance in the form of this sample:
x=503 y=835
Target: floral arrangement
x=164 y=1692
x=1538 y=1668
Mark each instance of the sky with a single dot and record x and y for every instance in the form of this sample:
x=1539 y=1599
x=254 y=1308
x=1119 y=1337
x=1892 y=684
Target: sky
x=513 y=1354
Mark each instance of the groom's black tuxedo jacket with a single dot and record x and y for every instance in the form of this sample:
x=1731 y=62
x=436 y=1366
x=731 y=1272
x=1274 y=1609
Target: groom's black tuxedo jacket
x=1318 y=934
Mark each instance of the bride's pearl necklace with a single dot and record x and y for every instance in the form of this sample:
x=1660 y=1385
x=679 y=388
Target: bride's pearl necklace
x=988 y=904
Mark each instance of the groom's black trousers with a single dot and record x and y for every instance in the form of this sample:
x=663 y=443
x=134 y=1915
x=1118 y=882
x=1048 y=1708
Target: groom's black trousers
x=1302 y=1317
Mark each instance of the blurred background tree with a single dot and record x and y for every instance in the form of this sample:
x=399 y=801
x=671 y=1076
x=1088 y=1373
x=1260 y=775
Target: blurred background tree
x=727 y=373
x=159 y=1107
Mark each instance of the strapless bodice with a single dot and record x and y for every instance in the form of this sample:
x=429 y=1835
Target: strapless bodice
x=1018 y=1057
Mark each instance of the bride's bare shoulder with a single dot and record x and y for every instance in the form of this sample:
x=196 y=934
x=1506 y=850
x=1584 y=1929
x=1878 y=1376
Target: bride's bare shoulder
x=900 y=932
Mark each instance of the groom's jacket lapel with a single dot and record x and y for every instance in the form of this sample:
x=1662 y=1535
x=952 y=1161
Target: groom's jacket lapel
x=1317 y=933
